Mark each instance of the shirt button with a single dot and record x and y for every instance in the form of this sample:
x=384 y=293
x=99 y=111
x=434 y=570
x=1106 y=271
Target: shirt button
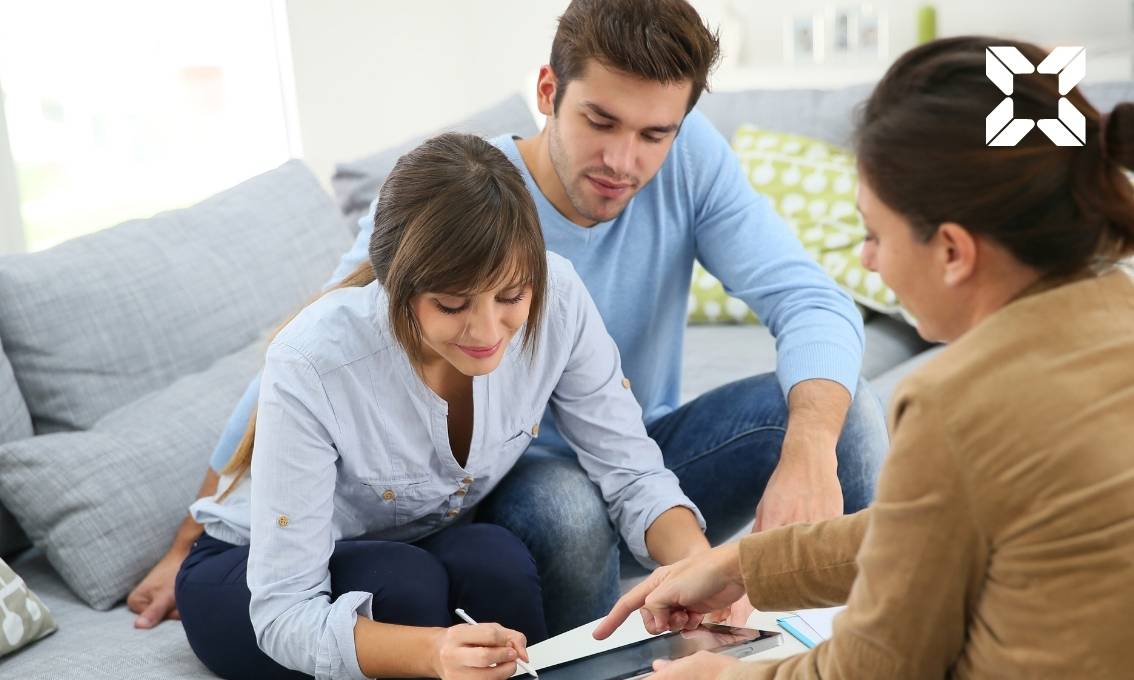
x=282 y=521
x=535 y=430
x=467 y=480
x=461 y=492
x=388 y=495
x=626 y=383
x=452 y=513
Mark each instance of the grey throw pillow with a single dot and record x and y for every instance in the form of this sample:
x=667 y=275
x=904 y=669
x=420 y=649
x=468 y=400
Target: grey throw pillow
x=97 y=322
x=14 y=424
x=103 y=504
x=23 y=616
x=356 y=182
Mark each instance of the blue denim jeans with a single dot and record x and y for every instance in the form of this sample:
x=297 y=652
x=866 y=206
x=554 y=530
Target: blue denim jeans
x=723 y=447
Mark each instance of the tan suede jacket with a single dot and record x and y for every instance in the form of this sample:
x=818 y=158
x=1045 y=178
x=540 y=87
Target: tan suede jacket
x=1001 y=540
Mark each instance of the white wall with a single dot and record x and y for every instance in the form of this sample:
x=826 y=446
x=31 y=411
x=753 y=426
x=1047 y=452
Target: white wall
x=372 y=73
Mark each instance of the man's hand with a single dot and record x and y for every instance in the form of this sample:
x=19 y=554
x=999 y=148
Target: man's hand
x=152 y=599
x=700 y=666
x=678 y=597
x=804 y=487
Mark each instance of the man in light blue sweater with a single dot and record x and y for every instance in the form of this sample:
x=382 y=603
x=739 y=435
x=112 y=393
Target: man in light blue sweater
x=632 y=185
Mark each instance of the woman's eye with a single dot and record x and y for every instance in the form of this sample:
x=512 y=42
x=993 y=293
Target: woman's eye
x=512 y=300
x=450 y=310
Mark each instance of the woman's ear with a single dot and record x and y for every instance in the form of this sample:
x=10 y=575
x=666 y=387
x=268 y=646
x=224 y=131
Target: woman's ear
x=959 y=250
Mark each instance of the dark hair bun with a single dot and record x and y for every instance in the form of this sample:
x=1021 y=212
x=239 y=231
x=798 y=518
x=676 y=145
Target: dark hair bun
x=1119 y=135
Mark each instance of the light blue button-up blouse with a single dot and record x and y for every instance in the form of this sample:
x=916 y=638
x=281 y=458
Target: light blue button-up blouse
x=350 y=442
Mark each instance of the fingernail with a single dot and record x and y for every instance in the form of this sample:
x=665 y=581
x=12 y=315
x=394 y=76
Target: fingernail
x=511 y=654
x=142 y=622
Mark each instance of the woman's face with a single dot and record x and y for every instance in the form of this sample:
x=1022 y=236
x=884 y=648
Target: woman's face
x=911 y=268
x=471 y=332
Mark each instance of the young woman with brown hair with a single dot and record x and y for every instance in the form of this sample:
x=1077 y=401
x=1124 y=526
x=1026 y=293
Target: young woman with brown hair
x=387 y=412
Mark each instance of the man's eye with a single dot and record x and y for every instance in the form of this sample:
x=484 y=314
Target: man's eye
x=599 y=126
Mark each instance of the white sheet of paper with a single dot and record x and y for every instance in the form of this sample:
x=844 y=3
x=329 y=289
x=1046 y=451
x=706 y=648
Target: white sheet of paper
x=821 y=620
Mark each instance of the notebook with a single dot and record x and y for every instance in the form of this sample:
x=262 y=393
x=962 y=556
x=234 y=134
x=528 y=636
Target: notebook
x=810 y=626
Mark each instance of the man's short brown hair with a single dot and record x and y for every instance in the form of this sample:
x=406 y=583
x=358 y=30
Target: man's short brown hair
x=660 y=40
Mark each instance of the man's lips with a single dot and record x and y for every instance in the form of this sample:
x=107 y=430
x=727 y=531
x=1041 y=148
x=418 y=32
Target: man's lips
x=609 y=189
x=480 y=352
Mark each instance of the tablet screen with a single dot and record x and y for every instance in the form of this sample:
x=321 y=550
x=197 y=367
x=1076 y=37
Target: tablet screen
x=636 y=659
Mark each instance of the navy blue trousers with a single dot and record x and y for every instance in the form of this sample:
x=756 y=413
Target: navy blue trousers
x=481 y=568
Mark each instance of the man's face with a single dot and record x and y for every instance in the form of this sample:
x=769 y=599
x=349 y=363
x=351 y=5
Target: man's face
x=610 y=136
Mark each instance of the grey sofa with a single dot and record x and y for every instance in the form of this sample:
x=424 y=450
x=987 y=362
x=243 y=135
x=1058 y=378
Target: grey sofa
x=122 y=353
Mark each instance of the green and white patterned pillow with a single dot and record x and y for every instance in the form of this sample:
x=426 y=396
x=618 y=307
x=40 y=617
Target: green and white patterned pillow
x=710 y=304
x=23 y=617
x=811 y=184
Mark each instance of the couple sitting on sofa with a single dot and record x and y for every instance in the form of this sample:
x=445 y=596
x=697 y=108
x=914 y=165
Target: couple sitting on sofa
x=396 y=407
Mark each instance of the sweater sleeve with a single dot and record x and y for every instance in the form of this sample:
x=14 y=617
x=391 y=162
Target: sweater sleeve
x=743 y=242
x=920 y=562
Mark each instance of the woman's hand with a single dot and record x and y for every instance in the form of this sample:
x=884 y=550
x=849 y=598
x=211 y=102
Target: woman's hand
x=678 y=597
x=700 y=666
x=486 y=651
x=153 y=599
x=736 y=615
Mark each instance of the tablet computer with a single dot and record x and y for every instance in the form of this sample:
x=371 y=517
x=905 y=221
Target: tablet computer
x=636 y=660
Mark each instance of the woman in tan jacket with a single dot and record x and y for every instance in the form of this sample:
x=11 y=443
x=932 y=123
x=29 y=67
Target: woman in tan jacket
x=1001 y=540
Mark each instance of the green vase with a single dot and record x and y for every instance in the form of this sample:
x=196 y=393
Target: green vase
x=926 y=24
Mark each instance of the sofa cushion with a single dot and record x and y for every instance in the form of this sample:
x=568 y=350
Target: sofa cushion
x=16 y=424
x=356 y=182
x=827 y=115
x=26 y=619
x=812 y=185
x=97 y=322
x=887 y=383
x=103 y=505
x=830 y=115
x=96 y=645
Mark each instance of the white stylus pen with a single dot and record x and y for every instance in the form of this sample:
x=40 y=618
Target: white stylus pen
x=523 y=666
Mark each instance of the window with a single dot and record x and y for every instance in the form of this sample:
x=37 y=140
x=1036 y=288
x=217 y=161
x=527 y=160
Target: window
x=120 y=109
